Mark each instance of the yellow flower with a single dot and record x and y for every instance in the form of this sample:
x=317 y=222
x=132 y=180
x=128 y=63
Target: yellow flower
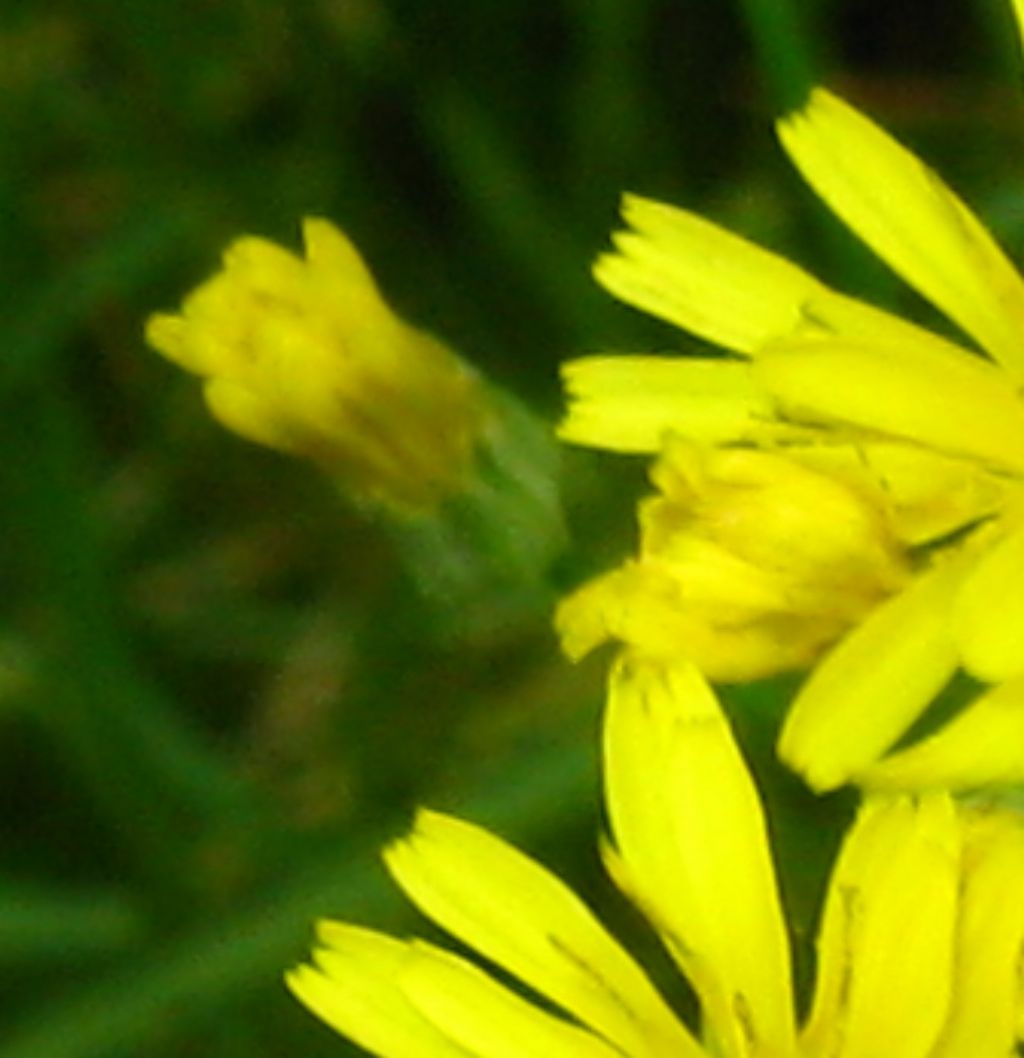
x=925 y=435
x=304 y=355
x=918 y=950
x=750 y=560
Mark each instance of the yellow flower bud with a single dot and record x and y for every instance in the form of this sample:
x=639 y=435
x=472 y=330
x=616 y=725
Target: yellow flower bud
x=305 y=356
x=750 y=564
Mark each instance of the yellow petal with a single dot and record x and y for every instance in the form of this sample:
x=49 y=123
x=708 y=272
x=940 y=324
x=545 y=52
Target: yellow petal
x=904 y=212
x=630 y=403
x=169 y=335
x=982 y=746
x=355 y=989
x=512 y=911
x=928 y=496
x=695 y=274
x=690 y=832
x=988 y=615
x=342 y=291
x=873 y=685
x=264 y=269
x=667 y=608
x=710 y=611
x=886 y=944
x=986 y=993
x=330 y=250
x=957 y=403
x=830 y=315
x=248 y=414
x=701 y=277
x=826 y=547
x=486 y=1019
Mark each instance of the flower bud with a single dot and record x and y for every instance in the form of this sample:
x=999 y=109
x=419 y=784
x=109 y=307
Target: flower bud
x=305 y=356
x=750 y=564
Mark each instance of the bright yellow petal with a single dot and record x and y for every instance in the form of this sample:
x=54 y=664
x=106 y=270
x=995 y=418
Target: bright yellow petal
x=631 y=403
x=690 y=832
x=986 y=995
x=486 y=1019
x=706 y=606
x=1018 y=11
x=512 y=911
x=886 y=944
x=928 y=495
x=829 y=315
x=660 y=606
x=355 y=989
x=873 y=685
x=982 y=746
x=904 y=212
x=988 y=614
x=957 y=403
x=820 y=547
x=691 y=272
x=695 y=274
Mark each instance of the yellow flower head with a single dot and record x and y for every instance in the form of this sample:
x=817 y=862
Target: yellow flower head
x=918 y=951
x=927 y=437
x=751 y=560
x=304 y=355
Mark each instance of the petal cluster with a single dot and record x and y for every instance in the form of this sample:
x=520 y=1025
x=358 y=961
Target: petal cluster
x=923 y=436
x=918 y=950
x=304 y=355
x=750 y=559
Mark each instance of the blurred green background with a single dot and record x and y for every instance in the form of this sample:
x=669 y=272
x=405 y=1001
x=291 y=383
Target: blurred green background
x=219 y=690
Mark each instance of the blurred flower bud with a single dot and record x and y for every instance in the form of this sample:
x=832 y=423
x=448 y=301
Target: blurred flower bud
x=306 y=357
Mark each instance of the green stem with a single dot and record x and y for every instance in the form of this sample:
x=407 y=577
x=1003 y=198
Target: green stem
x=787 y=54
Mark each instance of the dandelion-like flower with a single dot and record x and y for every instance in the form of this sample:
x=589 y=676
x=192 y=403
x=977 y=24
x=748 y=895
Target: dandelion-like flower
x=922 y=436
x=918 y=951
x=305 y=356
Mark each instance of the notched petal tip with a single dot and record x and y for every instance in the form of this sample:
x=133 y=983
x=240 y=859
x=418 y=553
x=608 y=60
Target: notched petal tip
x=803 y=111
